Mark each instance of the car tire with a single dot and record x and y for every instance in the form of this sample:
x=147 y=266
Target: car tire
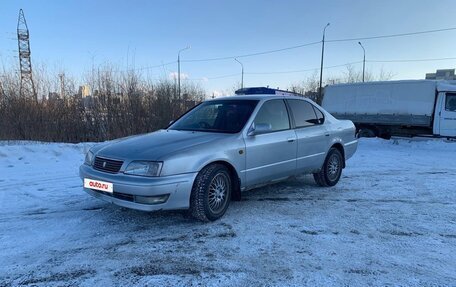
x=211 y=193
x=366 y=133
x=331 y=170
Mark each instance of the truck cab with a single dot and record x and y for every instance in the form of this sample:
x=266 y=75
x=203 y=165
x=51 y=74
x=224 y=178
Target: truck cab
x=445 y=114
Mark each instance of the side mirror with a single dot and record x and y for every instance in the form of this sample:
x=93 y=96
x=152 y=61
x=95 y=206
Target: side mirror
x=258 y=129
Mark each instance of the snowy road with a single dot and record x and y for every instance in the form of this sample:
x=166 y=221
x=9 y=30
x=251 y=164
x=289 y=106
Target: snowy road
x=390 y=221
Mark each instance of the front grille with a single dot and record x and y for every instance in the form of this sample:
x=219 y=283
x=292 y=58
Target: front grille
x=107 y=165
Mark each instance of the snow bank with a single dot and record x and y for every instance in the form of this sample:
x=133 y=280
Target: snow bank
x=391 y=220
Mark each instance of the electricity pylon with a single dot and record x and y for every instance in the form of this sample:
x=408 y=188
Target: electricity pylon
x=27 y=89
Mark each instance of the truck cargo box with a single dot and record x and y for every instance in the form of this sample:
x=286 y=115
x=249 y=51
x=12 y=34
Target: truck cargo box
x=393 y=102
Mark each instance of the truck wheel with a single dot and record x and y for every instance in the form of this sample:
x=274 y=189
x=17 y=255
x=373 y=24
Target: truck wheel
x=211 y=193
x=331 y=170
x=386 y=136
x=366 y=133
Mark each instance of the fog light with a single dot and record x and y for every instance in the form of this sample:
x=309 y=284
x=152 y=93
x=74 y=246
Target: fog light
x=151 y=199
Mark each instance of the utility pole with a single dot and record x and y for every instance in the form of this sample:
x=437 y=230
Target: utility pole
x=179 y=73
x=62 y=85
x=242 y=73
x=2 y=95
x=364 y=59
x=1 y=90
x=322 y=55
x=27 y=89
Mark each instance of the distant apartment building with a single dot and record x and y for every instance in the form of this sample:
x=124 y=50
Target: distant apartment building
x=443 y=74
x=84 y=91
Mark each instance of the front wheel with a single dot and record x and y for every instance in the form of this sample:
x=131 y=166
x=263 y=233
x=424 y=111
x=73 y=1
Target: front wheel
x=211 y=193
x=331 y=170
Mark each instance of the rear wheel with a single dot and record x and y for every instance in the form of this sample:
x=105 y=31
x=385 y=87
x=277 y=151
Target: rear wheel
x=211 y=193
x=331 y=170
x=366 y=133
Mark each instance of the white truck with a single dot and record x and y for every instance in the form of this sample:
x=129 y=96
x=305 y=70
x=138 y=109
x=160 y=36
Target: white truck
x=395 y=108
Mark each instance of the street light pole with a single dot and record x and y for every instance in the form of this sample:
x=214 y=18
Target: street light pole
x=364 y=59
x=242 y=73
x=178 y=71
x=322 y=55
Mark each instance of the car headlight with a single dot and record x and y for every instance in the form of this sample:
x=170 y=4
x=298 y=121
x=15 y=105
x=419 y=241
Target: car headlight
x=144 y=168
x=89 y=158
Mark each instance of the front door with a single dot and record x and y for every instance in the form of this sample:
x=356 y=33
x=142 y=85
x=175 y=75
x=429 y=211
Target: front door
x=272 y=155
x=448 y=116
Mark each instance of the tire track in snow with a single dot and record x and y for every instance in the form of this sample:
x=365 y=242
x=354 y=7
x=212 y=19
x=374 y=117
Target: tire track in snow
x=33 y=182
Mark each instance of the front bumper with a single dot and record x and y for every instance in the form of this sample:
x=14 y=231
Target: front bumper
x=126 y=187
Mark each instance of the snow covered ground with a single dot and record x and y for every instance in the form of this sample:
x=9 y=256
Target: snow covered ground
x=391 y=220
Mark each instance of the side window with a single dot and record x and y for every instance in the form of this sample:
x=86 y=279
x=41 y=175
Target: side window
x=320 y=116
x=450 y=102
x=274 y=113
x=303 y=113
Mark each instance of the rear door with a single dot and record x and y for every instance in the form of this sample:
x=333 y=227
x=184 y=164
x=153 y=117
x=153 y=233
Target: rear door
x=313 y=138
x=272 y=155
x=448 y=116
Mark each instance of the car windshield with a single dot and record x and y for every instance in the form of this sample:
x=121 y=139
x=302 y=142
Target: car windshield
x=223 y=116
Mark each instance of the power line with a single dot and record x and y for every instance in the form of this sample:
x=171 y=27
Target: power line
x=252 y=54
x=268 y=73
x=411 y=60
x=152 y=67
x=317 y=68
x=296 y=47
x=318 y=42
x=330 y=67
x=392 y=35
x=313 y=69
x=305 y=70
x=141 y=68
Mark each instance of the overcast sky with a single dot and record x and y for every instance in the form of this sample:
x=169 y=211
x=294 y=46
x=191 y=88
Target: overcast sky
x=73 y=35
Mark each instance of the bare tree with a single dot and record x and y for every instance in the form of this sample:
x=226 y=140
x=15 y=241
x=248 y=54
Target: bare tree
x=121 y=104
x=309 y=87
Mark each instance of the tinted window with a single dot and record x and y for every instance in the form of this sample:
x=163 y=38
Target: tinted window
x=225 y=116
x=303 y=113
x=274 y=113
x=450 y=102
x=320 y=116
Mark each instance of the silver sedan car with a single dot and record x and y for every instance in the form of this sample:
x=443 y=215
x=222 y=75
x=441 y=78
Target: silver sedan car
x=217 y=150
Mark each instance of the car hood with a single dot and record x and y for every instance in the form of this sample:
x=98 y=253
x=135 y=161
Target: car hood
x=156 y=145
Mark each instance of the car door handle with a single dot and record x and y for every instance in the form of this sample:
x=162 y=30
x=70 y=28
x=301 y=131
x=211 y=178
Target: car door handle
x=327 y=135
x=290 y=140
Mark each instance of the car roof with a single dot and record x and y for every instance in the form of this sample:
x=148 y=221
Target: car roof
x=259 y=97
